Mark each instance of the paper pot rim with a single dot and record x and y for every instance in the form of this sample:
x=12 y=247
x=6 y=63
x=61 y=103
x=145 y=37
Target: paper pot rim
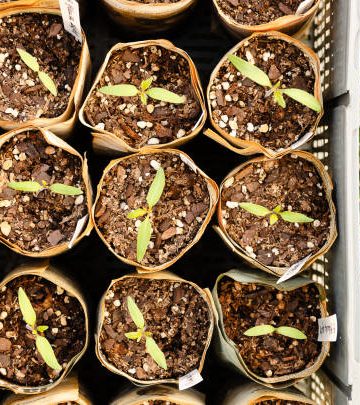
x=152 y=11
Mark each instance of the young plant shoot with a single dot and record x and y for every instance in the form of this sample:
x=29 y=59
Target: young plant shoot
x=287 y=331
x=42 y=344
x=31 y=62
x=145 y=91
x=258 y=76
x=145 y=229
x=151 y=347
x=35 y=187
x=288 y=216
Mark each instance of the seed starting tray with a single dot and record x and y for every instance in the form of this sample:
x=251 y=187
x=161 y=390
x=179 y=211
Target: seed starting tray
x=334 y=36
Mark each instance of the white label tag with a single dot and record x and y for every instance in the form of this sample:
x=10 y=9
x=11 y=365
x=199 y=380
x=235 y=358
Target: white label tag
x=304 y=7
x=328 y=329
x=293 y=270
x=189 y=380
x=79 y=228
x=71 y=18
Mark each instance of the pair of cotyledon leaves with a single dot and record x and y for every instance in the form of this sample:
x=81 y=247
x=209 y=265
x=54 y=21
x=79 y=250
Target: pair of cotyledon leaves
x=35 y=187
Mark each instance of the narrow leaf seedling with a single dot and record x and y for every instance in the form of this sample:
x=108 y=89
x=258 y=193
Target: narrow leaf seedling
x=145 y=91
x=145 y=229
x=288 y=216
x=35 y=187
x=151 y=346
x=287 y=331
x=42 y=344
x=258 y=76
x=31 y=62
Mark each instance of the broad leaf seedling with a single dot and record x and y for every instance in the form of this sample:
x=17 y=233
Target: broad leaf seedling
x=258 y=76
x=42 y=344
x=151 y=347
x=288 y=216
x=145 y=229
x=145 y=91
x=35 y=187
x=33 y=64
x=287 y=331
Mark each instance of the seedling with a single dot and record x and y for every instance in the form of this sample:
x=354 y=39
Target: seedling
x=144 y=91
x=258 y=76
x=145 y=229
x=42 y=344
x=287 y=331
x=151 y=347
x=35 y=187
x=288 y=216
x=33 y=64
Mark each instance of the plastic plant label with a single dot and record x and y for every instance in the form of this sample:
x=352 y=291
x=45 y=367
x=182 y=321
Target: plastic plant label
x=79 y=228
x=328 y=329
x=189 y=380
x=71 y=18
x=293 y=270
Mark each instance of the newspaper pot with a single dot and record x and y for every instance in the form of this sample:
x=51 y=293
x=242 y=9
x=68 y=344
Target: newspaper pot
x=254 y=394
x=227 y=349
x=289 y=24
x=152 y=17
x=27 y=139
x=227 y=133
x=61 y=285
x=68 y=391
x=132 y=285
x=328 y=217
x=63 y=124
x=127 y=139
x=115 y=199
x=164 y=393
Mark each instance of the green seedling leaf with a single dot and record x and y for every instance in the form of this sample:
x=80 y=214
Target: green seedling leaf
x=156 y=188
x=260 y=330
x=135 y=313
x=167 y=96
x=27 y=186
x=120 y=90
x=143 y=98
x=48 y=82
x=255 y=209
x=250 y=71
x=29 y=60
x=277 y=209
x=153 y=349
x=279 y=98
x=145 y=84
x=47 y=353
x=136 y=213
x=143 y=239
x=273 y=219
x=26 y=308
x=304 y=98
x=42 y=328
x=64 y=189
x=133 y=335
x=290 y=332
x=290 y=216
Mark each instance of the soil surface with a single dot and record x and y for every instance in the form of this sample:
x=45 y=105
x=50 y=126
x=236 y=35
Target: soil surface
x=19 y=360
x=37 y=221
x=154 y=123
x=279 y=402
x=240 y=106
x=176 y=315
x=248 y=305
x=22 y=96
x=176 y=218
x=291 y=182
x=255 y=12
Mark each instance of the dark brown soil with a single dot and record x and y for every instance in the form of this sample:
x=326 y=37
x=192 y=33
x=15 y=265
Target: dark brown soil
x=248 y=305
x=19 y=360
x=176 y=218
x=290 y=182
x=240 y=107
x=279 y=402
x=22 y=96
x=176 y=315
x=255 y=12
x=37 y=221
x=127 y=117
